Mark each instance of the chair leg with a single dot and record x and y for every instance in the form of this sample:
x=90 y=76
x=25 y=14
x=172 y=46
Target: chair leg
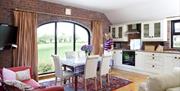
x=73 y=82
x=100 y=82
x=61 y=82
x=85 y=88
x=108 y=81
x=64 y=81
x=69 y=79
x=95 y=83
x=55 y=80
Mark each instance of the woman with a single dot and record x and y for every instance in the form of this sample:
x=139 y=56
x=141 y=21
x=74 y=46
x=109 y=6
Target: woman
x=108 y=44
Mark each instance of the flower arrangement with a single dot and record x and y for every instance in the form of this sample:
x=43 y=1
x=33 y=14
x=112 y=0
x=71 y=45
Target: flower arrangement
x=87 y=49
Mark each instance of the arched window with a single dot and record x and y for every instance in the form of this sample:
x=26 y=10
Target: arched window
x=57 y=38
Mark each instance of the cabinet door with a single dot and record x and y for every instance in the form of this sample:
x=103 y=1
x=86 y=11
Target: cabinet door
x=139 y=59
x=159 y=59
x=144 y=61
x=113 y=31
x=120 y=31
x=172 y=60
x=158 y=63
x=146 y=29
x=117 y=58
x=157 y=29
x=154 y=31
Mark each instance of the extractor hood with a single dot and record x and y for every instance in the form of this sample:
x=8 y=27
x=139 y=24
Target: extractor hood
x=134 y=28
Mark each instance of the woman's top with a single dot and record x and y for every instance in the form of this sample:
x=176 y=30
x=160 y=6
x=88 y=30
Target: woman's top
x=108 y=44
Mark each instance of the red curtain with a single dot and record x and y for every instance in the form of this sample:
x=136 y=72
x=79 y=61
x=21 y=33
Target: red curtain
x=97 y=37
x=26 y=52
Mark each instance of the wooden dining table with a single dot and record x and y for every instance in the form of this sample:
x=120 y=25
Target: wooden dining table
x=77 y=65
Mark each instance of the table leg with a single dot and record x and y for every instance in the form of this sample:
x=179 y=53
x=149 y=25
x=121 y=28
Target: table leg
x=65 y=68
x=76 y=82
x=64 y=79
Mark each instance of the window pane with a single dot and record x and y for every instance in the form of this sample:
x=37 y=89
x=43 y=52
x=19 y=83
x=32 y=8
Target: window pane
x=177 y=27
x=64 y=38
x=45 y=39
x=176 y=41
x=81 y=37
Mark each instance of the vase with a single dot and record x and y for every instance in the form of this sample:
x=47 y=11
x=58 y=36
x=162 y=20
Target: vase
x=86 y=53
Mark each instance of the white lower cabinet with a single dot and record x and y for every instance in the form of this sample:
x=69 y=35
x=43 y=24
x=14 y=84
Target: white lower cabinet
x=139 y=61
x=171 y=61
x=117 y=57
x=149 y=62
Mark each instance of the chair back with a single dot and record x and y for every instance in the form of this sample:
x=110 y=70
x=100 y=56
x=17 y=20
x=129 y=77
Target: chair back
x=105 y=64
x=81 y=54
x=58 y=65
x=71 y=55
x=91 y=66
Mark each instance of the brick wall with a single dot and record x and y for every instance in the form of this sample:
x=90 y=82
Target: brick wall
x=7 y=6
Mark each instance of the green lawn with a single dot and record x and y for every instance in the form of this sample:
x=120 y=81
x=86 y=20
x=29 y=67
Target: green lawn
x=45 y=62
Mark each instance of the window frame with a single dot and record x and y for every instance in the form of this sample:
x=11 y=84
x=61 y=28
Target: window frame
x=74 y=36
x=173 y=22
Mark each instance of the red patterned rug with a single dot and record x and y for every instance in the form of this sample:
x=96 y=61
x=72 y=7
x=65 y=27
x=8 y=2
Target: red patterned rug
x=115 y=83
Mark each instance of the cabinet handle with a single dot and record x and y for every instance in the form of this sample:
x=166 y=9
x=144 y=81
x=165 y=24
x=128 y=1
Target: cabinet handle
x=152 y=57
x=175 y=57
x=153 y=66
x=153 y=54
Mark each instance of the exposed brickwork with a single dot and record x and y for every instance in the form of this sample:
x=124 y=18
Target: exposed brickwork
x=40 y=6
x=7 y=6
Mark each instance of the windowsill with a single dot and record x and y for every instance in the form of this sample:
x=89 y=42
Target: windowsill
x=46 y=76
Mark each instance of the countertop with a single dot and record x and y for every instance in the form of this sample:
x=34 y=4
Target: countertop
x=171 y=52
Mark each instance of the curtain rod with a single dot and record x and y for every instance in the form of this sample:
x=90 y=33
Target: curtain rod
x=45 y=13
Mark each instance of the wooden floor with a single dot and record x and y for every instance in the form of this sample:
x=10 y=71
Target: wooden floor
x=136 y=78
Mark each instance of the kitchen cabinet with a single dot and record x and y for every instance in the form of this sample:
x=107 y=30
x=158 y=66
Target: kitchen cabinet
x=156 y=64
x=171 y=61
x=154 y=31
x=150 y=62
x=119 y=32
x=139 y=60
x=117 y=57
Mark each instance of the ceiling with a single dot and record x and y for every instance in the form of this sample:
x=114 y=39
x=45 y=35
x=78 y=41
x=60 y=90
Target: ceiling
x=124 y=11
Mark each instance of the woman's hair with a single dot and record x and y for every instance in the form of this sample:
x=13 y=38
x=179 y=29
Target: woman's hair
x=108 y=36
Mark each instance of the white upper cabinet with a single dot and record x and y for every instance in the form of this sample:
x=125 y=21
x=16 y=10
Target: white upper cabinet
x=154 y=31
x=119 y=32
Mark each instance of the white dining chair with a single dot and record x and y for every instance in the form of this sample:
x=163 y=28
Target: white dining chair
x=90 y=70
x=59 y=73
x=71 y=54
x=81 y=54
x=104 y=68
